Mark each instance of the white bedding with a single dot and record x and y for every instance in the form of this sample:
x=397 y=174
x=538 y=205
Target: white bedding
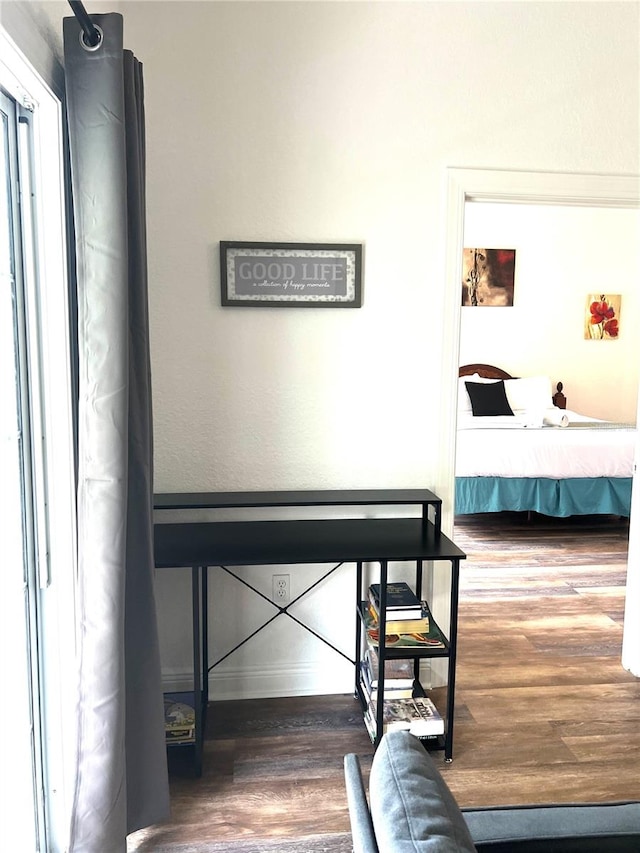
x=523 y=445
x=551 y=417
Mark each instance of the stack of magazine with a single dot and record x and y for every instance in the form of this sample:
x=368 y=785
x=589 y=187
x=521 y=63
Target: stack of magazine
x=179 y=718
x=418 y=715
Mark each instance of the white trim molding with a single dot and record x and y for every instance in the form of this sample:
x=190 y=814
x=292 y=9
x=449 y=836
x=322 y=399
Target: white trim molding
x=306 y=678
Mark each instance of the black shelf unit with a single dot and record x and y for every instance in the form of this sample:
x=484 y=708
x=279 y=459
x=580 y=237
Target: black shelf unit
x=200 y=545
x=442 y=550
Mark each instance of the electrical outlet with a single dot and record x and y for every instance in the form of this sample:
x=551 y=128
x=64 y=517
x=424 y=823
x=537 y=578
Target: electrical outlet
x=281 y=589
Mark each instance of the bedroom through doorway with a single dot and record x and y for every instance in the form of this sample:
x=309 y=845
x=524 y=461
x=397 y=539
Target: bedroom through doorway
x=533 y=339
x=540 y=334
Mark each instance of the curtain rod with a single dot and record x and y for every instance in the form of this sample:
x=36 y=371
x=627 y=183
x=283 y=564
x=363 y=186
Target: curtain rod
x=92 y=36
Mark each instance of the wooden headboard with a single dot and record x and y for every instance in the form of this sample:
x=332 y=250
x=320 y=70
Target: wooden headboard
x=487 y=371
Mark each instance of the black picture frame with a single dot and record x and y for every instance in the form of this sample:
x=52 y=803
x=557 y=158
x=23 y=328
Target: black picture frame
x=294 y=275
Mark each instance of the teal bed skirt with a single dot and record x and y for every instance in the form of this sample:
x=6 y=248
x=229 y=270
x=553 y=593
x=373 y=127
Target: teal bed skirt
x=578 y=496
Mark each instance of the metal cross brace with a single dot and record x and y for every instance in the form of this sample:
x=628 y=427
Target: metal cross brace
x=282 y=611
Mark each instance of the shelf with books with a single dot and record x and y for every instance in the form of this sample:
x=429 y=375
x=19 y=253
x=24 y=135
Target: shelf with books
x=397 y=673
x=417 y=715
x=407 y=647
x=431 y=642
x=399 y=687
x=430 y=742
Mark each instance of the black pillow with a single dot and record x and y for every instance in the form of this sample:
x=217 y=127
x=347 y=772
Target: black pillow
x=488 y=398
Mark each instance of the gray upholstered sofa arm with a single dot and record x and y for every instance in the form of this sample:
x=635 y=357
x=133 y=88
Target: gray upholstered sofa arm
x=364 y=839
x=411 y=810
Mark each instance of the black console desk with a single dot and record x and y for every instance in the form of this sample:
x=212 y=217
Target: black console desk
x=199 y=545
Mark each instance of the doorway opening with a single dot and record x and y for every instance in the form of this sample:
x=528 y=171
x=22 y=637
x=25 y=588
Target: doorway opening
x=469 y=186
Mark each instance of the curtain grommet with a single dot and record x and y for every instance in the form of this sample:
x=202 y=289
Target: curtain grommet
x=91 y=47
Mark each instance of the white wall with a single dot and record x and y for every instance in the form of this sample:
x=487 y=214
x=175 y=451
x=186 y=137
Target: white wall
x=562 y=255
x=333 y=121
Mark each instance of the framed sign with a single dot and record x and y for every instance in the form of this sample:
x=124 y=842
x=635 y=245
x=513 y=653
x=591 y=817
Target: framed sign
x=307 y=275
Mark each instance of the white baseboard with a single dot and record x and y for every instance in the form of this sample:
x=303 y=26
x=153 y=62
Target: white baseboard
x=267 y=682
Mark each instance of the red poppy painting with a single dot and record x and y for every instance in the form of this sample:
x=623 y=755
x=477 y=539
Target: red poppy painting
x=488 y=277
x=602 y=317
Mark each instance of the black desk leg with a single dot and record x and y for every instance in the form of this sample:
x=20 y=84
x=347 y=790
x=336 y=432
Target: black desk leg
x=196 y=605
x=453 y=642
x=419 y=574
x=358 y=628
x=205 y=639
x=382 y=650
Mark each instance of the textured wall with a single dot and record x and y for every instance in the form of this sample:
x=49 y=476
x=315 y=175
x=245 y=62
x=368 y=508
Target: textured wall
x=335 y=122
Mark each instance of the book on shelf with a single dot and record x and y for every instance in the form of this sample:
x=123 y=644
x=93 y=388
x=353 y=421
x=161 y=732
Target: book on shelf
x=389 y=694
x=402 y=602
x=418 y=715
x=432 y=638
x=401 y=626
x=179 y=718
x=391 y=691
x=398 y=672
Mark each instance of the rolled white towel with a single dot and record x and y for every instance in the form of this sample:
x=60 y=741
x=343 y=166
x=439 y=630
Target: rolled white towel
x=556 y=418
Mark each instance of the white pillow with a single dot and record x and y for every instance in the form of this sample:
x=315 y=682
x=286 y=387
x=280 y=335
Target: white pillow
x=530 y=394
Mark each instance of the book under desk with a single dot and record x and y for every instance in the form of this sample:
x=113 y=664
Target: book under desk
x=200 y=545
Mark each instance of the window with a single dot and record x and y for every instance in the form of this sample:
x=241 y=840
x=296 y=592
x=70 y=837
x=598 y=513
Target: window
x=37 y=460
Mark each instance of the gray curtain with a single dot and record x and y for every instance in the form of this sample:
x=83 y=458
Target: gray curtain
x=121 y=779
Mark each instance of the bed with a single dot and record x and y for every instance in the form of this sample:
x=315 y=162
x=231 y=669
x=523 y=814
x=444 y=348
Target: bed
x=517 y=451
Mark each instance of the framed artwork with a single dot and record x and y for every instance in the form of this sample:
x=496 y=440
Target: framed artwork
x=488 y=277
x=602 y=317
x=303 y=275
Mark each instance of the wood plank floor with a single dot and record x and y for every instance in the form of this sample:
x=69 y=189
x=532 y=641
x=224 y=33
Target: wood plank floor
x=544 y=710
